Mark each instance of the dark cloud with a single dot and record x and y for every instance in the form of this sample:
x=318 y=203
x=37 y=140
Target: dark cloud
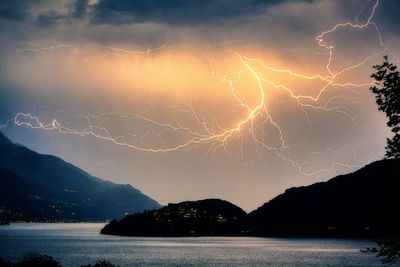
x=21 y=10
x=79 y=9
x=15 y=10
x=173 y=12
x=176 y=11
x=388 y=15
x=50 y=18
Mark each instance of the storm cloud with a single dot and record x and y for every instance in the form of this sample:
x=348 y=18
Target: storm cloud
x=70 y=57
x=115 y=12
x=177 y=12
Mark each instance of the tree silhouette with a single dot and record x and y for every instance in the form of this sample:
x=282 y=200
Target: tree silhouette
x=388 y=250
x=387 y=95
x=32 y=260
x=39 y=260
x=101 y=263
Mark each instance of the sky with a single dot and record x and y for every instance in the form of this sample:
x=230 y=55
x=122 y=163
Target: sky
x=186 y=100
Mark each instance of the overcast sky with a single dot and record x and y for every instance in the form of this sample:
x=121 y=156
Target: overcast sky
x=190 y=99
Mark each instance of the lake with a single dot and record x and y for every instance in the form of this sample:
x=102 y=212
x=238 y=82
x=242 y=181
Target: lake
x=77 y=244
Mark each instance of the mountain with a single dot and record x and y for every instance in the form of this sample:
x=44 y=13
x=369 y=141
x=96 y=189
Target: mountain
x=363 y=203
x=209 y=217
x=360 y=204
x=36 y=187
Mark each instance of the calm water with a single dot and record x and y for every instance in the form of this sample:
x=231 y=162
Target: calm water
x=76 y=244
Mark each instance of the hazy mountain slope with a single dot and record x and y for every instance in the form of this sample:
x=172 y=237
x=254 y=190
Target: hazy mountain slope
x=77 y=194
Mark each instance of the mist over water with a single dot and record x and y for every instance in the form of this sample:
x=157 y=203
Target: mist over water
x=77 y=244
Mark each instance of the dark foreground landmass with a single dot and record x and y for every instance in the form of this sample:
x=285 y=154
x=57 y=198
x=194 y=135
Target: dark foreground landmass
x=43 y=188
x=38 y=260
x=360 y=204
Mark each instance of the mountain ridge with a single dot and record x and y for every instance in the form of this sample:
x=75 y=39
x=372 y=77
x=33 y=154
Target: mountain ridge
x=361 y=203
x=358 y=204
x=77 y=195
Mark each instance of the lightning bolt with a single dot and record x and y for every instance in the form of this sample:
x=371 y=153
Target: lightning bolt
x=257 y=117
x=121 y=51
x=33 y=47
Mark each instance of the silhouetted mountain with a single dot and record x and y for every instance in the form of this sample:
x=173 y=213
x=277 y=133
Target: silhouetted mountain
x=36 y=187
x=363 y=203
x=210 y=217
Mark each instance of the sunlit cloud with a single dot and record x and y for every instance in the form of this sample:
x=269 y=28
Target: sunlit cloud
x=261 y=91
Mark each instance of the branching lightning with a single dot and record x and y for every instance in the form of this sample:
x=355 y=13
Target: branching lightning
x=206 y=130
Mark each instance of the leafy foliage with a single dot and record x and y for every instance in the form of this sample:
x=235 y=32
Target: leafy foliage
x=387 y=95
x=32 y=260
x=38 y=260
x=388 y=250
x=102 y=263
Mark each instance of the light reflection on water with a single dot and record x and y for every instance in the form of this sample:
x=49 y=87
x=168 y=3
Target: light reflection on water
x=77 y=244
